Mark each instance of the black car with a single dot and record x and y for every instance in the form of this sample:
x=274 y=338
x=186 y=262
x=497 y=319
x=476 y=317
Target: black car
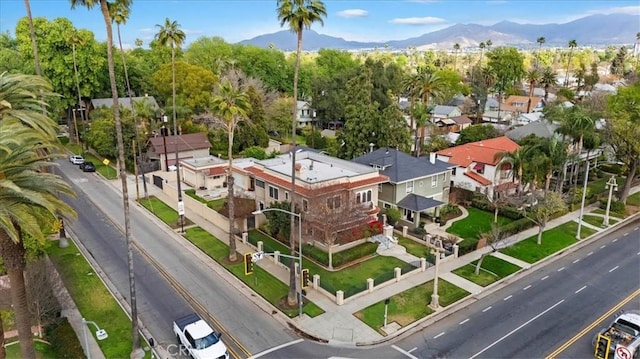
x=88 y=167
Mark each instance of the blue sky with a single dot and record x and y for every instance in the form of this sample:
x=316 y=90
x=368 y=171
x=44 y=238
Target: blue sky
x=372 y=20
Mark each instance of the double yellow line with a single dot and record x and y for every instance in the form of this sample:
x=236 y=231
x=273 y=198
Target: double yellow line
x=593 y=325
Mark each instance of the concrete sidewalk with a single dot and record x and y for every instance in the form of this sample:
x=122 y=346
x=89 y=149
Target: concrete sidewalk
x=338 y=324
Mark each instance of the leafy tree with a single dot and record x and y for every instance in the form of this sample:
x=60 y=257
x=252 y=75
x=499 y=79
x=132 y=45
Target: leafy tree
x=493 y=238
x=393 y=131
x=507 y=63
x=278 y=116
x=255 y=152
x=211 y=53
x=548 y=79
x=267 y=65
x=476 y=133
x=436 y=143
x=617 y=65
x=541 y=212
x=194 y=84
x=622 y=132
x=11 y=59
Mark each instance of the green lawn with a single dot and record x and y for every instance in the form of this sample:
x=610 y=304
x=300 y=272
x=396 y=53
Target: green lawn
x=109 y=172
x=419 y=250
x=491 y=270
x=611 y=213
x=597 y=220
x=93 y=299
x=350 y=280
x=43 y=350
x=476 y=223
x=261 y=281
x=634 y=199
x=410 y=305
x=166 y=214
x=217 y=204
x=553 y=240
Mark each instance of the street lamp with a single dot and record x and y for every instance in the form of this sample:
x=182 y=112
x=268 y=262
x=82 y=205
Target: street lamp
x=435 y=303
x=299 y=258
x=164 y=130
x=101 y=334
x=612 y=185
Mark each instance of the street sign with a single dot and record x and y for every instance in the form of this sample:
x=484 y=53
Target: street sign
x=257 y=256
x=623 y=353
x=180 y=208
x=106 y=162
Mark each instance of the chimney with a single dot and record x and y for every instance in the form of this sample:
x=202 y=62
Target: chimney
x=371 y=147
x=298 y=167
x=311 y=166
x=432 y=157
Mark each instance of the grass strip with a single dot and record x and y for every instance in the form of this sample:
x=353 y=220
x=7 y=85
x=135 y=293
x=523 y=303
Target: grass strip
x=494 y=269
x=476 y=223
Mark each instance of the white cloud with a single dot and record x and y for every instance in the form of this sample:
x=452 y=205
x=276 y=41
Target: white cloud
x=633 y=10
x=427 y=20
x=349 y=13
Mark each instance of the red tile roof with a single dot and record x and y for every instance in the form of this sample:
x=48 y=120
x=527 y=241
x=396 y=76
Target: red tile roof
x=521 y=104
x=308 y=192
x=217 y=171
x=480 y=152
x=478 y=178
x=188 y=142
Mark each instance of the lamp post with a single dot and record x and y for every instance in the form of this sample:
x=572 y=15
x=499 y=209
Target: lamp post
x=435 y=303
x=299 y=258
x=101 y=334
x=612 y=185
x=164 y=132
x=584 y=195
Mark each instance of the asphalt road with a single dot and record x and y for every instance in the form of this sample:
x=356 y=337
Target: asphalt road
x=239 y=319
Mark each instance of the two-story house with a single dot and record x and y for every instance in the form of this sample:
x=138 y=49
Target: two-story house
x=417 y=185
x=161 y=150
x=306 y=114
x=476 y=167
x=335 y=196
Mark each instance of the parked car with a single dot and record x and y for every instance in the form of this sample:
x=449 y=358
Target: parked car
x=76 y=160
x=88 y=166
x=198 y=338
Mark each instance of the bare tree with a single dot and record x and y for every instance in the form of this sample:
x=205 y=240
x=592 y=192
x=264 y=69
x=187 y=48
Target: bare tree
x=493 y=238
x=333 y=214
x=541 y=212
x=43 y=303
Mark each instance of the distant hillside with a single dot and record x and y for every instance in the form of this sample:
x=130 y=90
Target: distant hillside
x=590 y=30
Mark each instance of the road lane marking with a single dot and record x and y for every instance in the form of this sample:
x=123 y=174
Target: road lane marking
x=527 y=287
x=602 y=246
x=576 y=261
x=545 y=277
x=486 y=309
x=560 y=269
x=614 y=268
x=614 y=240
x=592 y=325
x=638 y=254
x=507 y=298
x=590 y=253
x=515 y=330
x=413 y=349
x=439 y=335
x=404 y=352
x=636 y=228
x=626 y=234
x=270 y=350
x=580 y=290
x=464 y=321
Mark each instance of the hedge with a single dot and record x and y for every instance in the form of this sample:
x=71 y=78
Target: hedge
x=482 y=203
x=354 y=253
x=63 y=339
x=192 y=193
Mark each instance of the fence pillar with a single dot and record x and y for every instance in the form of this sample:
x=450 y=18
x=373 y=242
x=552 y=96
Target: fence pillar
x=384 y=219
x=455 y=251
x=316 y=281
x=339 y=297
x=423 y=264
x=370 y=284
x=398 y=273
x=245 y=237
x=405 y=230
x=259 y=246
x=388 y=231
x=276 y=257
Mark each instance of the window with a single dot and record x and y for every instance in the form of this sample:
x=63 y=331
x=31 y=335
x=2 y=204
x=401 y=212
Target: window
x=273 y=192
x=369 y=193
x=261 y=206
x=387 y=205
x=259 y=183
x=410 y=187
x=434 y=181
x=358 y=197
x=333 y=202
x=286 y=195
x=453 y=171
x=364 y=196
x=305 y=205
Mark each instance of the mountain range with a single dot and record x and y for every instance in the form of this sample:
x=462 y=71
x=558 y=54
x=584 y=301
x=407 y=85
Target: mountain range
x=594 y=30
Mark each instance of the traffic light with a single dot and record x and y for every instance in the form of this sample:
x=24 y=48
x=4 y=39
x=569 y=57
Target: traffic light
x=248 y=264
x=602 y=347
x=305 y=278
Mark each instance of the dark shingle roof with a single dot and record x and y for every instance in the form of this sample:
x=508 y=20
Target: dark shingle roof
x=418 y=203
x=401 y=167
x=539 y=128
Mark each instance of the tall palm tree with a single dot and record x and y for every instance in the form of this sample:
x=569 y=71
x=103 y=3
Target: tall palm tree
x=32 y=34
x=533 y=77
x=420 y=112
x=297 y=15
x=488 y=43
x=170 y=34
x=119 y=15
x=517 y=160
x=548 y=79
x=104 y=9
x=482 y=45
x=411 y=85
x=76 y=40
x=572 y=45
x=27 y=192
x=456 y=49
x=231 y=105
x=541 y=40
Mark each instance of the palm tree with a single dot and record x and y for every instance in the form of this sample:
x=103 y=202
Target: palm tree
x=541 y=40
x=572 y=45
x=297 y=15
x=517 y=160
x=533 y=77
x=488 y=43
x=170 y=34
x=555 y=151
x=32 y=34
x=548 y=79
x=456 y=49
x=420 y=112
x=482 y=45
x=75 y=39
x=411 y=85
x=231 y=105
x=104 y=9
x=430 y=85
x=27 y=137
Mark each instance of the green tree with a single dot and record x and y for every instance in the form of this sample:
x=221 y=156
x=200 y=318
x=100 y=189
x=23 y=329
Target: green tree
x=541 y=212
x=572 y=45
x=297 y=15
x=476 y=133
x=548 y=79
x=617 y=65
x=121 y=160
x=211 y=53
x=395 y=133
x=193 y=83
x=32 y=35
x=516 y=160
x=507 y=63
x=541 y=40
x=622 y=132
x=278 y=116
x=456 y=50
x=230 y=106
x=533 y=77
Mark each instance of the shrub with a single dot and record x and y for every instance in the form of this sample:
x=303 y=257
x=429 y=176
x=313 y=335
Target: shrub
x=450 y=211
x=516 y=226
x=393 y=215
x=420 y=231
x=64 y=140
x=467 y=246
x=352 y=254
x=63 y=339
x=192 y=193
x=616 y=206
x=316 y=254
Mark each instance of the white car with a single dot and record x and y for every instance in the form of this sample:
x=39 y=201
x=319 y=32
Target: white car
x=76 y=160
